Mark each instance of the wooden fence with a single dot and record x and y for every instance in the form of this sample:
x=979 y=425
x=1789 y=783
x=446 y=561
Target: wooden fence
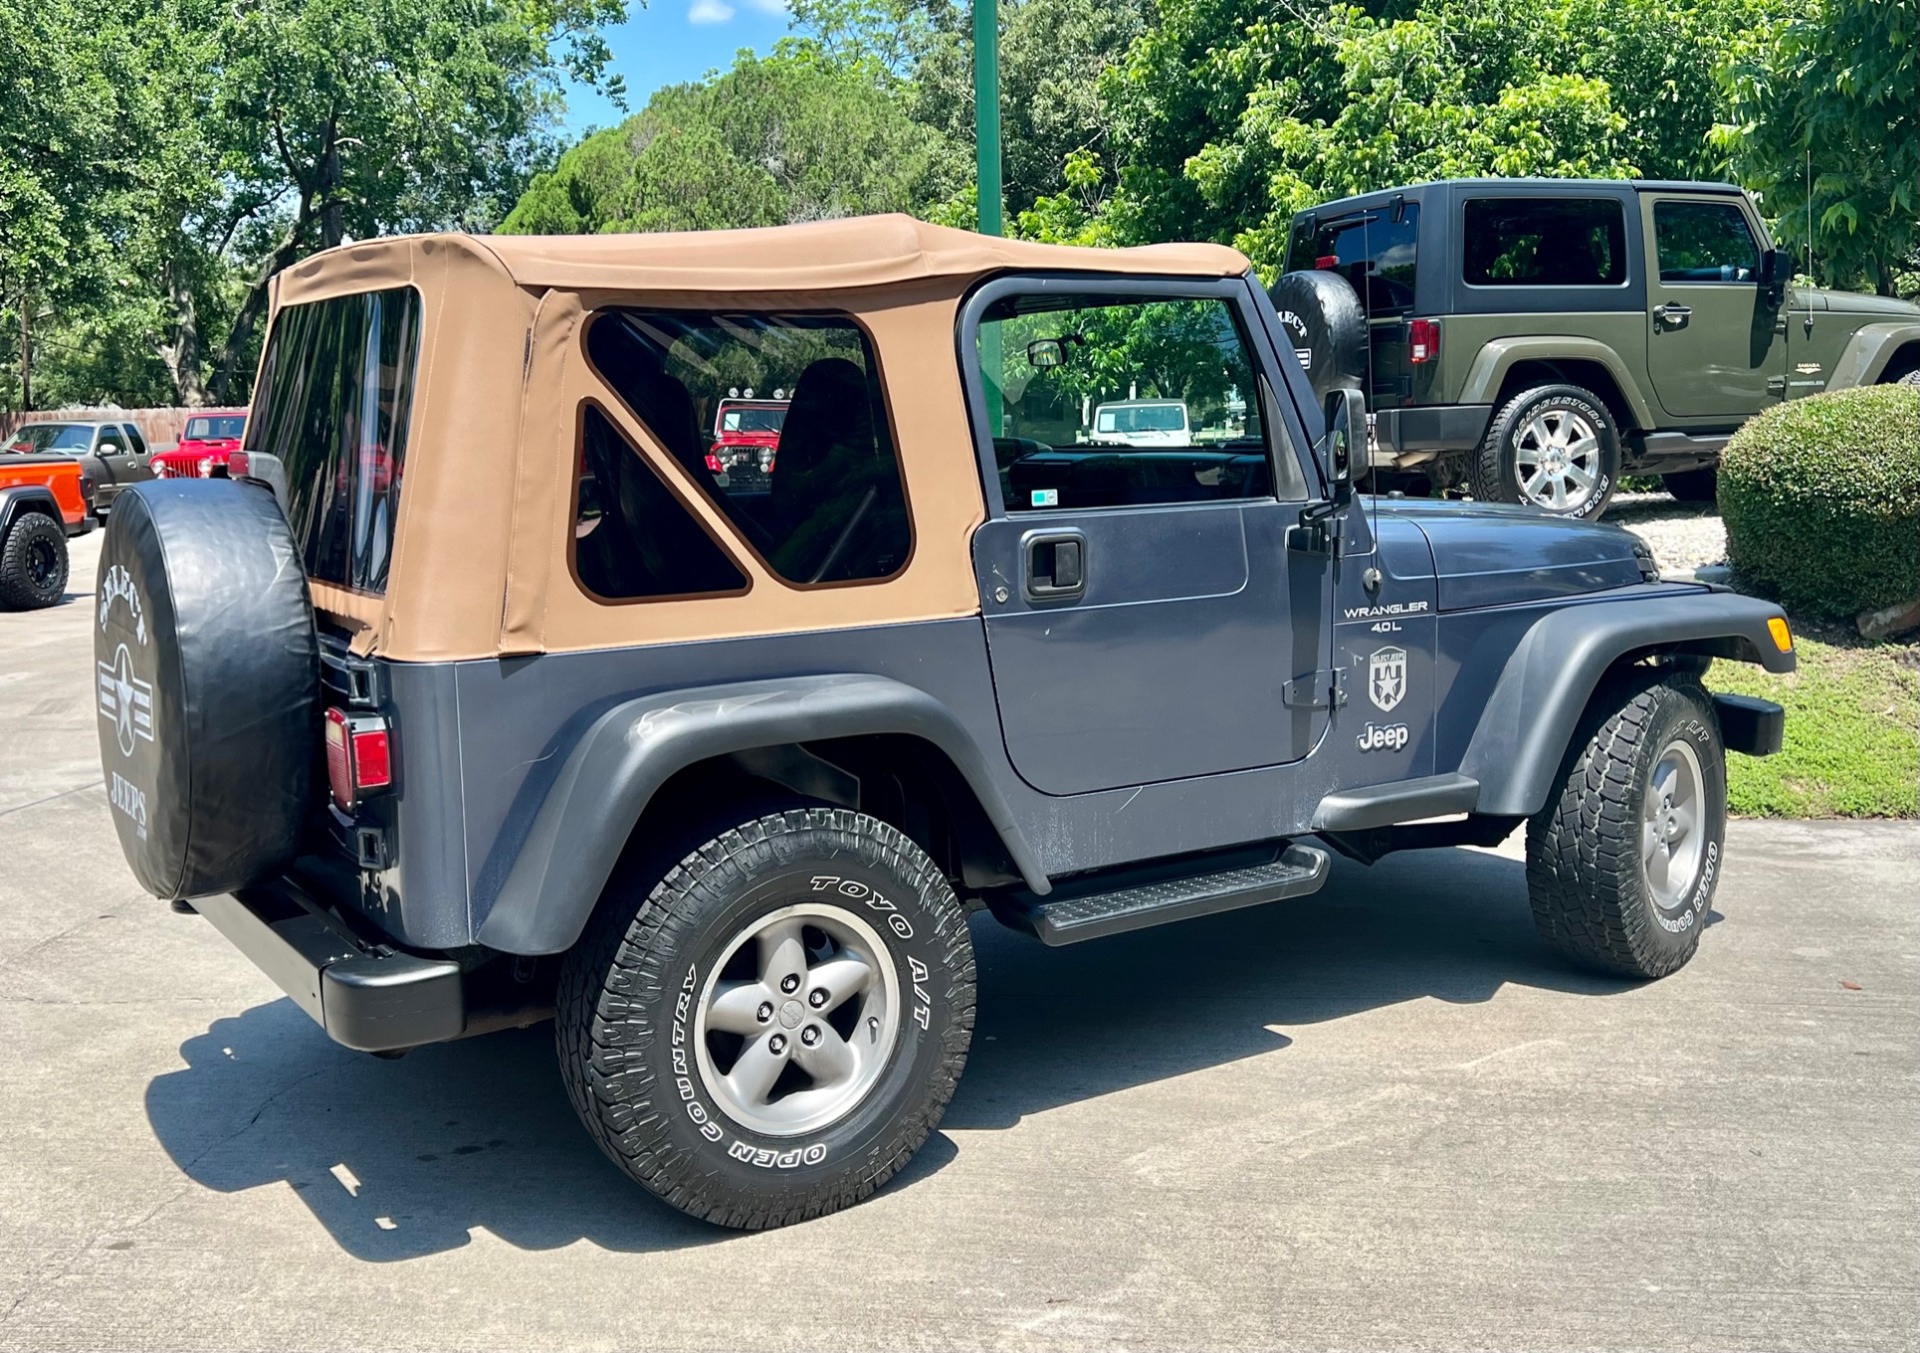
x=161 y=427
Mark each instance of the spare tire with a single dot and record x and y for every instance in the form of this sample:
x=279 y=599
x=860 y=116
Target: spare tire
x=207 y=685
x=1324 y=321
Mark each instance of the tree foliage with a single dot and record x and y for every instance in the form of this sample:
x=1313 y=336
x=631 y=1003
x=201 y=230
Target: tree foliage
x=1824 y=123
x=775 y=139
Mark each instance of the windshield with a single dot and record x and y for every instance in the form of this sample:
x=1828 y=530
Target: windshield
x=54 y=437
x=752 y=420
x=215 y=429
x=1142 y=418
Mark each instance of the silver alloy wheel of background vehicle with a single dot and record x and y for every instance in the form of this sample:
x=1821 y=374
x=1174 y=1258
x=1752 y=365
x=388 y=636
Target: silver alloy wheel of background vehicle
x=1671 y=837
x=797 y=1019
x=1557 y=462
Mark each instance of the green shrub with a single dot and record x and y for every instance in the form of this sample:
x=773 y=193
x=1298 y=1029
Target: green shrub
x=1821 y=499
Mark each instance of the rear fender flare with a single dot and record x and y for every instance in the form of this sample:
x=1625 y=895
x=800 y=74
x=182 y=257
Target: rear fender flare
x=1490 y=367
x=20 y=499
x=1551 y=676
x=588 y=813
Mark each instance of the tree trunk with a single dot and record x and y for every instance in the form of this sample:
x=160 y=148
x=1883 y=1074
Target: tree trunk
x=26 y=352
x=332 y=210
x=256 y=301
x=181 y=352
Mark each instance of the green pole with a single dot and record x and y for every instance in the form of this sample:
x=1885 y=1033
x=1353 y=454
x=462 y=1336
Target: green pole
x=986 y=110
x=986 y=140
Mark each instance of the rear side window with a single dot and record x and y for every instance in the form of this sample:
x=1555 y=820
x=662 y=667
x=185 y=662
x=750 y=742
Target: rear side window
x=819 y=502
x=1704 y=242
x=135 y=440
x=1373 y=251
x=334 y=404
x=1545 y=242
x=632 y=539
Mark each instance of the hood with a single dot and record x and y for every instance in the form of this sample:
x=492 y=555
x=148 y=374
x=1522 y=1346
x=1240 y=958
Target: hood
x=1853 y=303
x=1486 y=554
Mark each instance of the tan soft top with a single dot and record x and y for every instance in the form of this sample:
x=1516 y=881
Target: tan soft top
x=481 y=564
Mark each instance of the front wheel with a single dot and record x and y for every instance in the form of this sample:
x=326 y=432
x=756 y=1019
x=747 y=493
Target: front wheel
x=769 y=1032
x=1553 y=447
x=1622 y=861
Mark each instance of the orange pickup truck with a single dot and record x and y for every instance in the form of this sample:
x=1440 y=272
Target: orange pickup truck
x=43 y=500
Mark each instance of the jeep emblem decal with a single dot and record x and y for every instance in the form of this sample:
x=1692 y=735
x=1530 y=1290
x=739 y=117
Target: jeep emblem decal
x=1387 y=678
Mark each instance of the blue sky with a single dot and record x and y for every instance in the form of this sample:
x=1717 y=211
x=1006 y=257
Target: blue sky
x=672 y=41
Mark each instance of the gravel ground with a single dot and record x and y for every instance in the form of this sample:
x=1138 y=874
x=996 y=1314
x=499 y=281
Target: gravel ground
x=1683 y=536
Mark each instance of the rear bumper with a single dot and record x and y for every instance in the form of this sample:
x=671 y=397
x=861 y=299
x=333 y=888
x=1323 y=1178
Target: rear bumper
x=367 y=995
x=1438 y=427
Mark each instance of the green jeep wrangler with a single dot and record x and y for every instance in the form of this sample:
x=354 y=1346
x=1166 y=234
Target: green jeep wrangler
x=1531 y=340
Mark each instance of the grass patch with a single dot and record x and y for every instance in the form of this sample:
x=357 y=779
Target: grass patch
x=1853 y=732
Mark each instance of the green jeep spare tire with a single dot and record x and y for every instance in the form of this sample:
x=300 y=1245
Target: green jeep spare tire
x=207 y=685
x=1321 y=315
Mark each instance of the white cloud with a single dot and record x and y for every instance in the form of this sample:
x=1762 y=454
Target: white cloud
x=770 y=6
x=709 y=12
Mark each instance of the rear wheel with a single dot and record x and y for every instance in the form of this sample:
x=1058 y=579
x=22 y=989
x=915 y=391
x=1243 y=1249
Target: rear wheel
x=1622 y=861
x=768 y=1032
x=1694 y=486
x=33 y=563
x=1553 y=447
x=1912 y=378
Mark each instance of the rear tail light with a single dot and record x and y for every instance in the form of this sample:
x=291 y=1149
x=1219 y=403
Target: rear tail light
x=1423 y=336
x=237 y=464
x=359 y=756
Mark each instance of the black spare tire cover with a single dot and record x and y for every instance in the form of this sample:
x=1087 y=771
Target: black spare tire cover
x=207 y=684
x=1321 y=315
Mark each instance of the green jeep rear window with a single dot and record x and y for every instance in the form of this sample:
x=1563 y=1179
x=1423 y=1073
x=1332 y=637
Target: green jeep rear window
x=1545 y=242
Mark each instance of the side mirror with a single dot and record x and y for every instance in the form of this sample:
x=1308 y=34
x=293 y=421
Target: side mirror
x=1776 y=270
x=109 y=448
x=1345 y=444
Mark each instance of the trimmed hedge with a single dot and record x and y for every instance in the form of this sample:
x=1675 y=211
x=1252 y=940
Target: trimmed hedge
x=1821 y=499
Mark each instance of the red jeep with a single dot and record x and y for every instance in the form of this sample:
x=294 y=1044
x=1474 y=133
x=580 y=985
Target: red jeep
x=746 y=434
x=204 y=446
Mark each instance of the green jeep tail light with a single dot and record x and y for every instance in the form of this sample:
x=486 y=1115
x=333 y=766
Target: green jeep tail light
x=1423 y=337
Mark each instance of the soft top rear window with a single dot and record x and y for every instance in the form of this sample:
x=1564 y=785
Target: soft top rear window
x=333 y=403
x=1374 y=250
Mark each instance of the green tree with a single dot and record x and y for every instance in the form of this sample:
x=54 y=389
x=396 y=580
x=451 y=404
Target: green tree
x=1825 y=124
x=789 y=137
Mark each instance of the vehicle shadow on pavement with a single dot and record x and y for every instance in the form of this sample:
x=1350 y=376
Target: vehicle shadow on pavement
x=399 y=1159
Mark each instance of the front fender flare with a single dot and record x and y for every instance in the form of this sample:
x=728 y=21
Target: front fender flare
x=1549 y=679
x=1865 y=358
x=612 y=773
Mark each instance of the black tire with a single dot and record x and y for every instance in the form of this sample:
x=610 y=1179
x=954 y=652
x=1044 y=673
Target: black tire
x=1323 y=319
x=33 y=563
x=1694 y=486
x=1495 y=475
x=634 y=990
x=208 y=686
x=1911 y=379
x=1593 y=894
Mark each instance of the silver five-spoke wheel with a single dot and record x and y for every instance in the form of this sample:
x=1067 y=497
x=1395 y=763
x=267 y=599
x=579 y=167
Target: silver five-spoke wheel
x=1557 y=460
x=1670 y=839
x=797 y=1020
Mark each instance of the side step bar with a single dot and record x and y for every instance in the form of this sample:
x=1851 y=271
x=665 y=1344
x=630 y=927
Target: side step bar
x=1067 y=919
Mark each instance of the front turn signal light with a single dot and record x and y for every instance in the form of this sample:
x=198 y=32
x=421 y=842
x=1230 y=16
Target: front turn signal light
x=1782 y=636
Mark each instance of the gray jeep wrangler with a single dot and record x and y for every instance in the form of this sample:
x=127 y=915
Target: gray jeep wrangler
x=1532 y=340
x=478 y=698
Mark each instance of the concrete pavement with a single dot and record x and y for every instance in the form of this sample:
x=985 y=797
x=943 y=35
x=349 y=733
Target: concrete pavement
x=1383 y=1117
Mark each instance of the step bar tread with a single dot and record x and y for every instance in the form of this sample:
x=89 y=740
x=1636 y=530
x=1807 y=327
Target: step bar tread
x=1300 y=870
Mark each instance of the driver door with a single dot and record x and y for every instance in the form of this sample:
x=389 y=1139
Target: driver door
x=1716 y=346
x=1143 y=616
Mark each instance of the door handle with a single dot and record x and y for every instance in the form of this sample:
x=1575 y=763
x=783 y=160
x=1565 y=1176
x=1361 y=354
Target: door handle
x=1673 y=316
x=1056 y=565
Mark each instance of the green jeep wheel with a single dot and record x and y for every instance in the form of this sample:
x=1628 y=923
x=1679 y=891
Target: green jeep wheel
x=1553 y=447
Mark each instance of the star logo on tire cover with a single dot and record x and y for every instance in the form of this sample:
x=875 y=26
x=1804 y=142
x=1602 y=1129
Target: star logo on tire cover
x=126 y=701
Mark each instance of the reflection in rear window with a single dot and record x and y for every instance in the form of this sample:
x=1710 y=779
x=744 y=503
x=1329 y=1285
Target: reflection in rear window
x=1545 y=242
x=335 y=394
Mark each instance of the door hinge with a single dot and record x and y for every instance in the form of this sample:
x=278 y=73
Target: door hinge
x=1315 y=690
